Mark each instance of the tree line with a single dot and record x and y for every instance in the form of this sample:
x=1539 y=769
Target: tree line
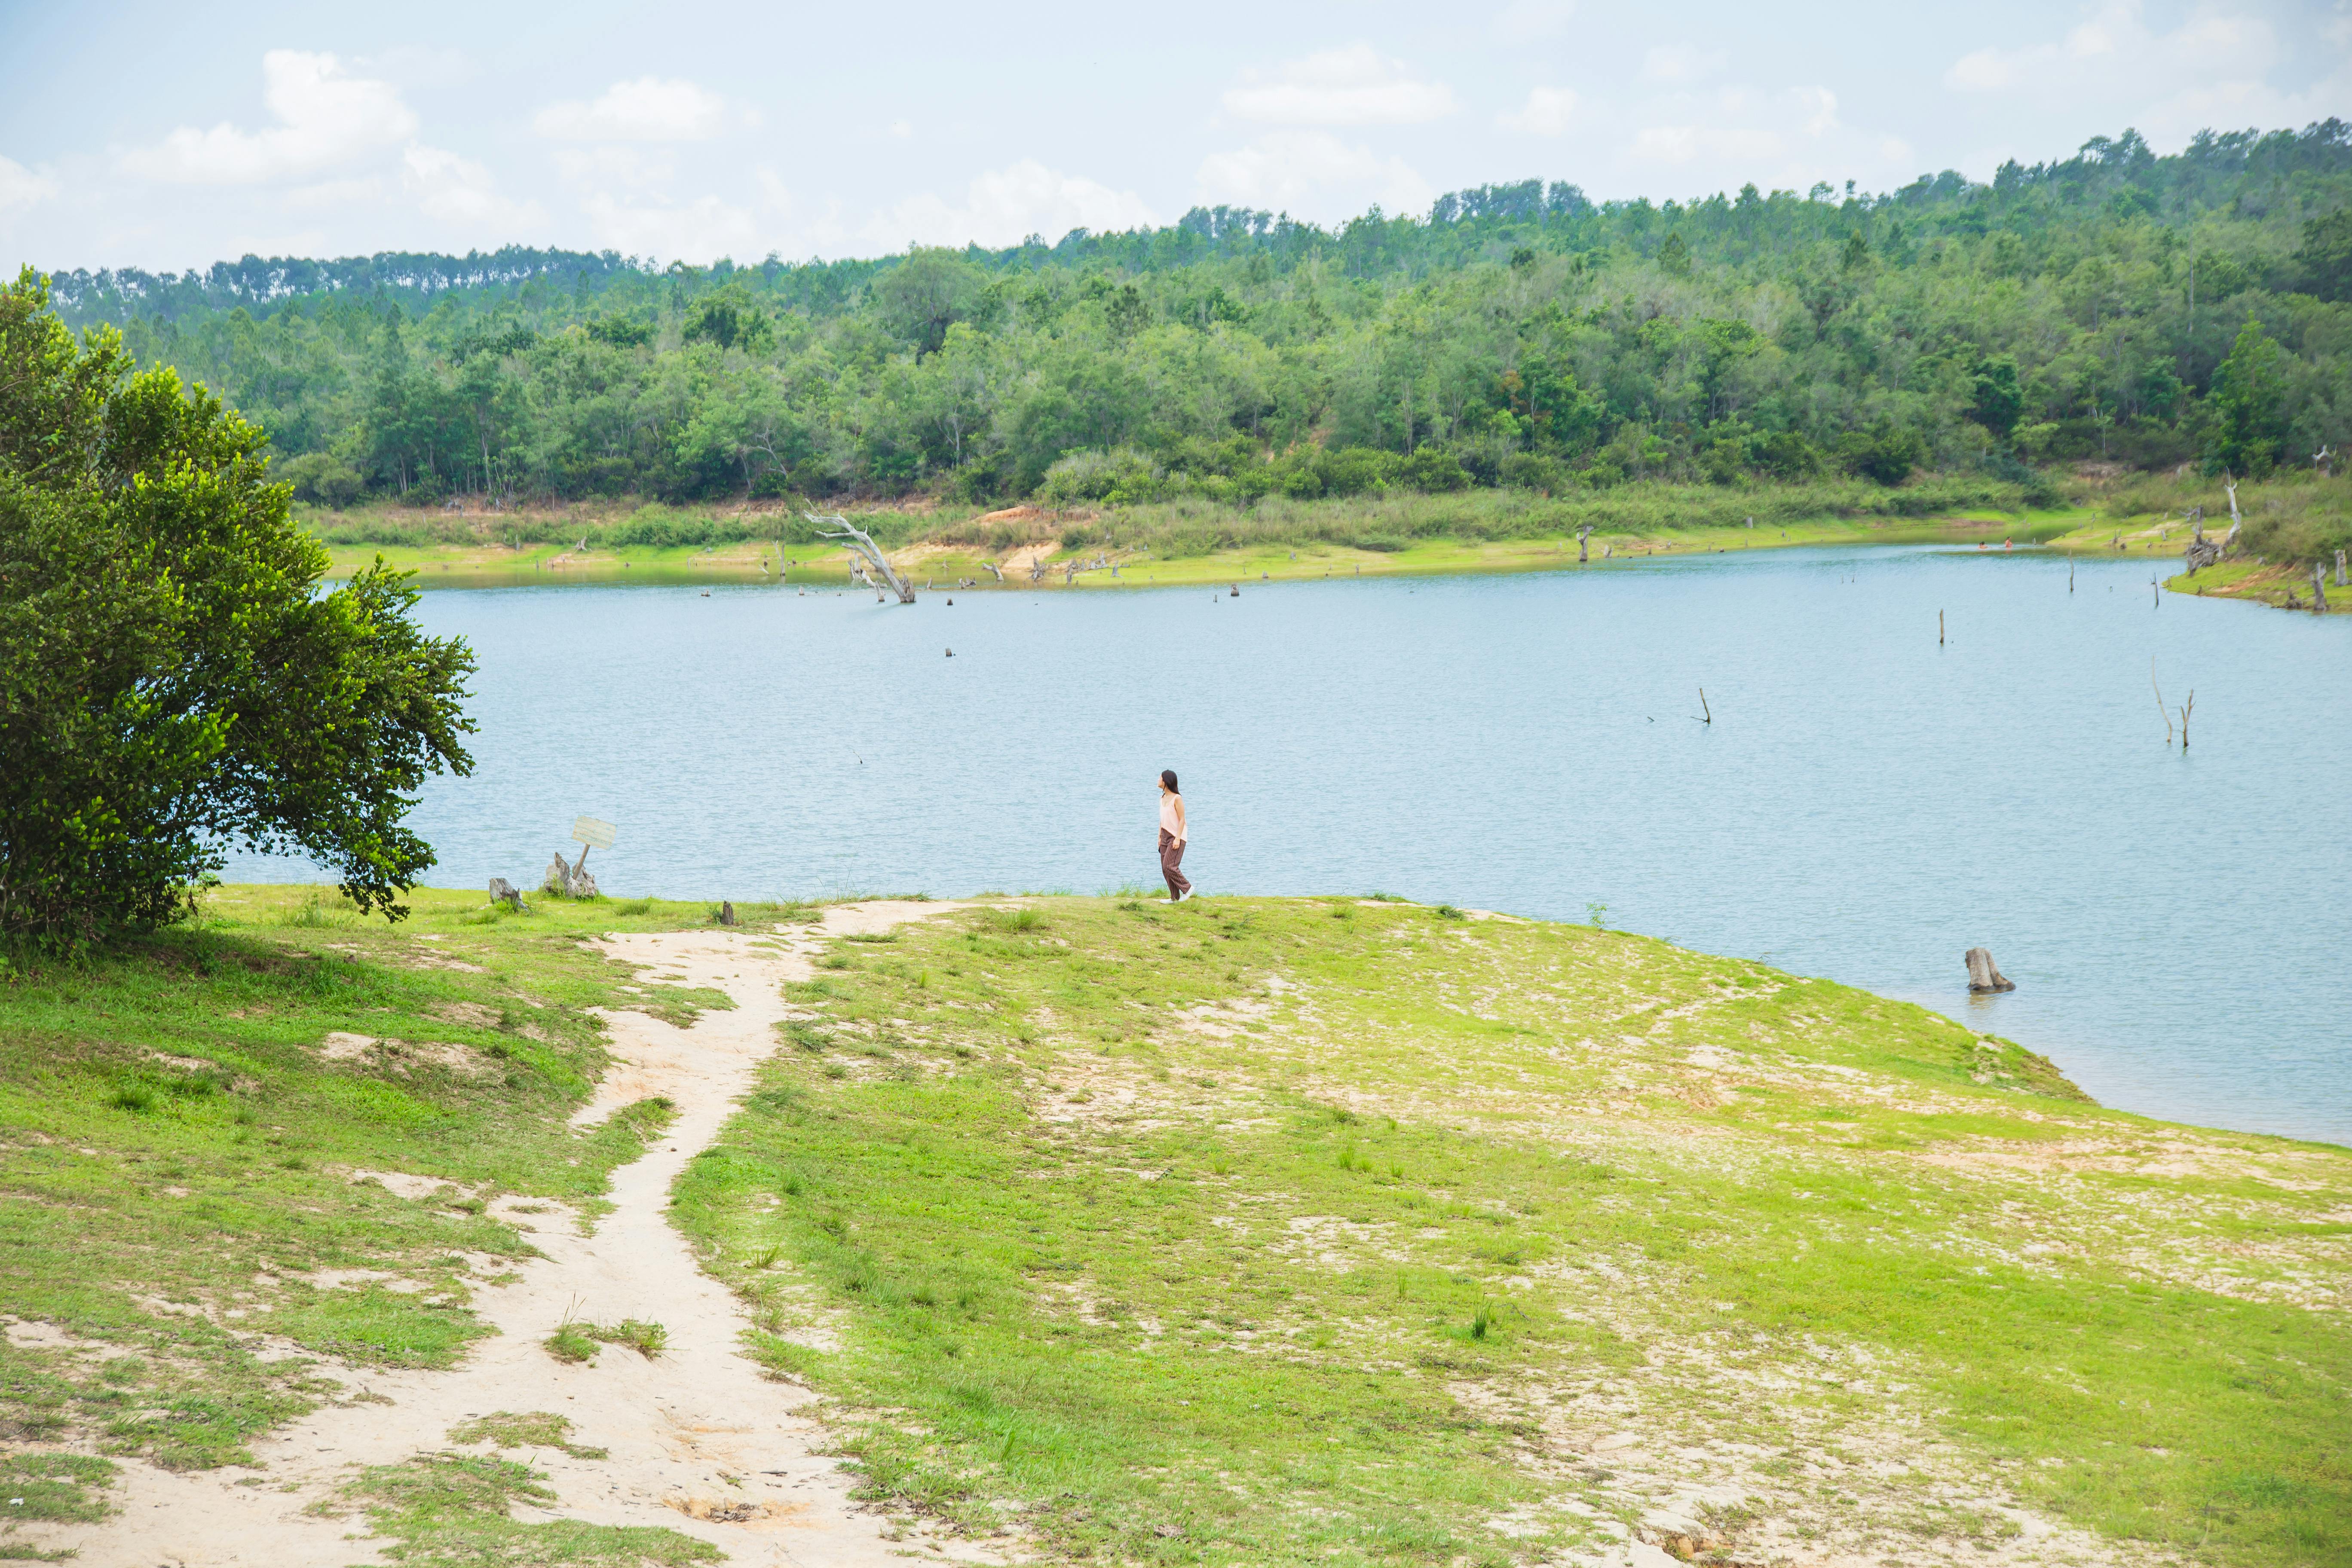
x=2152 y=312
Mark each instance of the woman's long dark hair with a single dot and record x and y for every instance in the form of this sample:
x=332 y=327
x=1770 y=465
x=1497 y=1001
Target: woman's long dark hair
x=1168 y=777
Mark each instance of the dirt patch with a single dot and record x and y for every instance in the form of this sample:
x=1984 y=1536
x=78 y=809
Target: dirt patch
x=1018 y=565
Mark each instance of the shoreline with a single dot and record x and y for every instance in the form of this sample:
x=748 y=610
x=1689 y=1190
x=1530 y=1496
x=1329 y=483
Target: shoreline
x=936 y=567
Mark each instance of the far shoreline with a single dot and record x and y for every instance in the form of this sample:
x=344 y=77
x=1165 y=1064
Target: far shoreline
x=951 y=568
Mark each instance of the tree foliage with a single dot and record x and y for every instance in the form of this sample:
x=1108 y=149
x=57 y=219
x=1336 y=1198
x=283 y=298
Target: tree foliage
x=171 y=680
x=2080 y=308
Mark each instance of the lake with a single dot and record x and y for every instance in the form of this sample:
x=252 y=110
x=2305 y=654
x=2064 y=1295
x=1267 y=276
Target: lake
x=1865 y=804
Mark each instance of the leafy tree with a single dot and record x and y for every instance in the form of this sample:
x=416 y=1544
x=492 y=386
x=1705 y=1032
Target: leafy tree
x=926 y=294
x=730 y=320
x=1673 y=255
x=621 y=331
x=2326 y=258
x=1886 y=452
x=2249 y=403
x=1995 y=399
x=171 y=680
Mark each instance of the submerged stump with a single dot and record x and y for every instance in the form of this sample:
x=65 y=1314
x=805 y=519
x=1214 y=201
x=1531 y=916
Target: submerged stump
x=1984 y=974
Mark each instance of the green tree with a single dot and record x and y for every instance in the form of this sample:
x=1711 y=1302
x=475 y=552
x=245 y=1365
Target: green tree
x=1886 y=452
x=1673 y=256
x=171 y=680
x=2249 y=403
x=927 y=293
x=1995 y=398
x=2326 y=258
x=728 y=319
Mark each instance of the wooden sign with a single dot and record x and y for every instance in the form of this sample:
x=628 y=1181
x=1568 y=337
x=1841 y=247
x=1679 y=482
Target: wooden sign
x=597 y=835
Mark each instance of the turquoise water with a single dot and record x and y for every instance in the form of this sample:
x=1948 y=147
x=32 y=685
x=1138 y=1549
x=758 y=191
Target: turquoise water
x=1865 y=804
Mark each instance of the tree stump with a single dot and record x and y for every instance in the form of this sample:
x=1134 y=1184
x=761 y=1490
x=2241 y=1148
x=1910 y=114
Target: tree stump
x=727 y=913
x=570 y=881
x=1983 y=975
x=505 y=893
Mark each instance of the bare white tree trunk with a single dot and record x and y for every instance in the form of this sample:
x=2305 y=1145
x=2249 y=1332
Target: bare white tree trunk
x=863 y=545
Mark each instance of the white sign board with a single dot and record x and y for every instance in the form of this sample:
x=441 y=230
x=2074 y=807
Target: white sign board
x=597 y=835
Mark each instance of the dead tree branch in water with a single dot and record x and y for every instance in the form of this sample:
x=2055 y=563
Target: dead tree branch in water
x=861 y=543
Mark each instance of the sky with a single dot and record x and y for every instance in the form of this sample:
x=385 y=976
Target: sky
x=166 y=136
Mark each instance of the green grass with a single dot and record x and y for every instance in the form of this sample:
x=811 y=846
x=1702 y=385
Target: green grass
x=177 y=1153
x=1311 y=1274
x=1238 y=1231
x=452 y=1511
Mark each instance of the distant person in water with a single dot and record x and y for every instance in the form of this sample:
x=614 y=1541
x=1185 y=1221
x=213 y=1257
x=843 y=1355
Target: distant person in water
x=1172 y=838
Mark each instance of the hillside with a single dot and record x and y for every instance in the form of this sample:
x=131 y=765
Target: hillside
x=1332 y=1229
x=2119 y=306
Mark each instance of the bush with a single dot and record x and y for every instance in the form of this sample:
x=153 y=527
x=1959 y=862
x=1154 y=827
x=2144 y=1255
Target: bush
x=1434 y=469
x=322 y=478
x=1080 y=477
x=1886 y=452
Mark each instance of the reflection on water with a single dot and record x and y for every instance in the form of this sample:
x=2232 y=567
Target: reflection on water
x=1865 y=804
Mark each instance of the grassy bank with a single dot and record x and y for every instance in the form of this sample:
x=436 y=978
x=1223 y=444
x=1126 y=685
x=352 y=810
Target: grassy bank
x=1339 y=1230
x=1259 y=1230
x=185 y=1126
x=2287 y=525
x=1185 y=542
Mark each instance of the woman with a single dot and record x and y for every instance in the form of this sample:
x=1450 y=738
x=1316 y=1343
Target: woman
x=1172 y=838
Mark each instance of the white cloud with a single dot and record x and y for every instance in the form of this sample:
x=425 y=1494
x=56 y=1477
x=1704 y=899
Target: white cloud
x=1677 y=63
x=1823 y=118
x=1788 y=139
x=2213 y=69
x=902 y=128
x=602 y=167
x=1681 y=143
x=1348 y=86
x=700 y=231
x=421 y=65
x=21 y=188
x=650 y=109
x=325 y=118
x=334 y=192
x=465 y=194
x=1545 y=113
x=1005 y=205
x=1313 y=173
x=1523 y=21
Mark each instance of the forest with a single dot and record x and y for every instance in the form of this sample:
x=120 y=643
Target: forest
x=2147 y=311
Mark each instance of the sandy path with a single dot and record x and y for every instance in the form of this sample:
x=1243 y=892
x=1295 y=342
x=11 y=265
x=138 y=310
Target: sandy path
x=697 y=1433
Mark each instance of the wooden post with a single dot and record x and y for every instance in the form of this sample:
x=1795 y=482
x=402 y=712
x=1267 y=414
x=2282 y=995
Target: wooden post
x=2185 y=708
x=1704 y=708
x=2318 y=588
x=1584 y=546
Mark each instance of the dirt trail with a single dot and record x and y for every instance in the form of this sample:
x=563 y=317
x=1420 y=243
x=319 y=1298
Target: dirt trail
x=700 y=1441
